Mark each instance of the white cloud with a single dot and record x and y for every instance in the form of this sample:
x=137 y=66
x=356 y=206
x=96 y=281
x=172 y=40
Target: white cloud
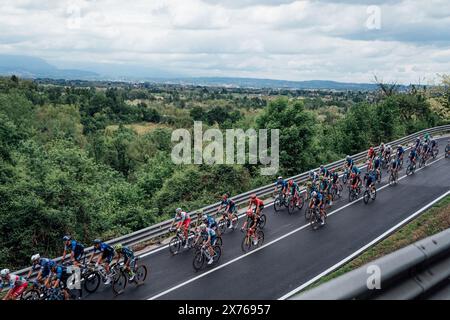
x=295 y=40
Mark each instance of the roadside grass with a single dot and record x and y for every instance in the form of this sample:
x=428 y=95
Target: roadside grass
x=432 y=221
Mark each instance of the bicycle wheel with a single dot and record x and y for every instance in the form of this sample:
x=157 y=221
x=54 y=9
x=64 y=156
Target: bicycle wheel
x=175 y=245
x=217 y=254
x=408 y=170
x=91 y=281
x=140 y=274
x=262 y=221
x=234 y=221
x=300 y=202
x=366 y=197
x=374 y=194
x=222 y=225
x=391 y=180
x=344 y=178
x=32 y=294
x=119 y=282
x=246 y=244
x=307 y=213
x=277 y=204
x=199 y=260
x=260 y=235
x=291 y=206
x=219 y=242
x=314 y=220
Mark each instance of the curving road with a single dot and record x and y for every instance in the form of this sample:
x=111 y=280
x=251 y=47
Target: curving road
x=292 y=253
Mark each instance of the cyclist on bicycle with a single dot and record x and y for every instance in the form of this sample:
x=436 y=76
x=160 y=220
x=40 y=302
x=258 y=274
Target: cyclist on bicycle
x=313 y=176
x=209 y=239
x=334 y=179
x=387 y=152
x=348 y=164
x=294 y=189
x=433 y=145
x=413 y=155
x=318 y=202
x=259 y=206
x=15 y=284
x=281 y=185
x=107 y=255
x=370 y=178
x=182 y=219
x=44 y=266
x=61 y=276
x=400 y=152
x=381 y=149
x=377 y=165
x=393 y=167
x=425 y=151
x=128 y=258
x=75 y=248
x=210 y=222
x=355 y=180
x=323 y=171
x=370 y=154
x=230 y=207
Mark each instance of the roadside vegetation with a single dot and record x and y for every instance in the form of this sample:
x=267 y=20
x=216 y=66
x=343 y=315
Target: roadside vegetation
x=93 y=159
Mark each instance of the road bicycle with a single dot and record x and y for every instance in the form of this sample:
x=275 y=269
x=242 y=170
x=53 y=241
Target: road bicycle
x=96 y=274
x=295 y=201
x=411 y=168
x=315 y=219
x=369 y=193
x=178 y=241
x=202 y=256
x=393 y=177
x=123 y=277
x=353 y=193
x=336 y=190
x=249 y=240
x=280 y=201
x=225 y=222
x=345 y=176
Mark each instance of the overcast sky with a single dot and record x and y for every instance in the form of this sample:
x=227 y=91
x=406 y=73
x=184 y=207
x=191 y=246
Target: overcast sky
x=403 y=41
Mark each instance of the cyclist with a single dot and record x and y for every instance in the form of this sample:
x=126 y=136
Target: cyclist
x=44 y=266
x=400 y=152
x=381 y=149
x=184 y=220
x=16 y=284
x=387 y=152
x=323 y=171
x=282 y=184
x=413 y=155
x=427 y=137
x=107 y=255
x=356 y=171
x=377 y=166
x=370 y=178
x=230 y=207
x=355 y=180
x=128 y=258
x=370 y=154
x=210 y=222
x=209 y=238
x=61 y=276
x=318 y=202
x=294 y=189
x=348 y=163
x=425 y=151
x=313 y=176
x=259 y=206
x=75 y=248
x=324 y=189
x=393 y=167
x=334 y=179
x=433 y=145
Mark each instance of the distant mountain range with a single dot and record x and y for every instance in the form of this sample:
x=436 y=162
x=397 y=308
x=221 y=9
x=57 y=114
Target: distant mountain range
x=32 y=67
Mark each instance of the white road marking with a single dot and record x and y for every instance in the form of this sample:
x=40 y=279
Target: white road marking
x=267 y=244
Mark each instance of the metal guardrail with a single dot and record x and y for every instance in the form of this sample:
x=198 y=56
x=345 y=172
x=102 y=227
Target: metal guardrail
x=409 y=273
x=161 y=229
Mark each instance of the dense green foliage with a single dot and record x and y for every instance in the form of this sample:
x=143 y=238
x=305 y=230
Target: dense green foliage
x=73 y=158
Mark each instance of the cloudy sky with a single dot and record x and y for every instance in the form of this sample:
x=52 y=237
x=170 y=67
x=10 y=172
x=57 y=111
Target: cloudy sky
x=404 y=41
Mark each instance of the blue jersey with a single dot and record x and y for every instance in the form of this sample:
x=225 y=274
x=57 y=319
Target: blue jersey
x=412 y=154
x=208 y=232
x=105 y=248
x=281 y=183
x=226 y=202
x=60 y=272
x=210 y=222
x=74 y=246
x=44 y=263
x=400 y=150
x=349 y=162
x=127 y=252
x=356 y=170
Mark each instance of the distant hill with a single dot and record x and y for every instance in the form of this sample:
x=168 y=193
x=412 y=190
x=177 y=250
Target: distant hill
x=269 y=83
x=32 y=67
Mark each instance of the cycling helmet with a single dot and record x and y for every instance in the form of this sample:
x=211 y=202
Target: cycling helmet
x=399 y=146
x=321 y=166
x=203 y=226
x=314 y=194
x=97 y=241
x=417 y=139
x=67 y=238
x=309 y=183
x=382 y=144
x=118 y=247
x=280 y=178
x=4 y=273
x=178 y=210
x=253 y=196
x=35 y=257
x=205 y=217
x=347 y=157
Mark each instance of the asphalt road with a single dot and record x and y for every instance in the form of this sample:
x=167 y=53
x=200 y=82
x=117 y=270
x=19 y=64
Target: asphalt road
x=292 y=252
